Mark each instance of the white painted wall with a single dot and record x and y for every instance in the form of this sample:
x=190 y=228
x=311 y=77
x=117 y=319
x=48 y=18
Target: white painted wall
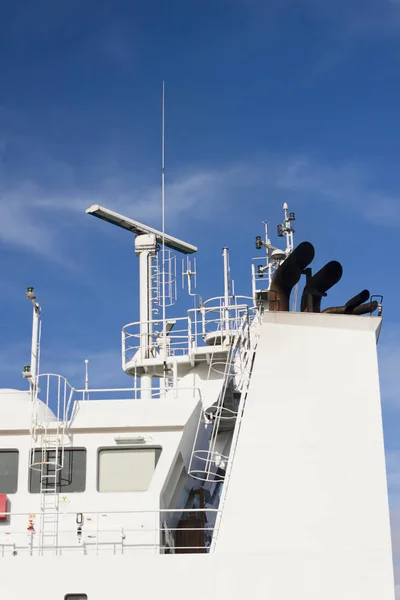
x=169 y=423
x=256 y=576
x=308 y=482
x=207 y=378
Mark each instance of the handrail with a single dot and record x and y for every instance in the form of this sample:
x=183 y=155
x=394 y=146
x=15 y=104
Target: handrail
x=188 y=333
x=138 y=530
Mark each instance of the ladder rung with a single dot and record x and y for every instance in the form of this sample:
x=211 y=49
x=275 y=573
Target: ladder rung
x=49 y=521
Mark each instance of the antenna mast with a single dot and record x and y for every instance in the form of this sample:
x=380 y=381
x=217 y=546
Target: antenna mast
x=164 y=329
x=273 y=255
x=287 y=229
x=31 y=372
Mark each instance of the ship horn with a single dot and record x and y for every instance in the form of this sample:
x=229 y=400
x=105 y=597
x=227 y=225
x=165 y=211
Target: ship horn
x=317 y=286
x=288 y=274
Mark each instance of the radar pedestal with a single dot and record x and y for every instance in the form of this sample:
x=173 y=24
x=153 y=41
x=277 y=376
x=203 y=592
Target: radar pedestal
x=145 y=248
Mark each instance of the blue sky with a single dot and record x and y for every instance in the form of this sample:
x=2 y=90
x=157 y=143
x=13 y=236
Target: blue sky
x=267 y=101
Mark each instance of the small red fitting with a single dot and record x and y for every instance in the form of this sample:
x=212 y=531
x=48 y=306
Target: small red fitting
x=31 y=526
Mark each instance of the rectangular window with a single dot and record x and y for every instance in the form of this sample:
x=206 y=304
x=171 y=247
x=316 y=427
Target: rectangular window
x=126 y=469
x=8 y=471
x=75 y=597
x=70 y=478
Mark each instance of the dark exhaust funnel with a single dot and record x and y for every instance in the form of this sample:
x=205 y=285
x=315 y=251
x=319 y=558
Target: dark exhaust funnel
x=317 y=286
x=288 y=274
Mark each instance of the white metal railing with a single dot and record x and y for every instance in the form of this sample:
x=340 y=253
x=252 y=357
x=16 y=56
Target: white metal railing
x=56 y=393
x=134 y=393
x=128 y=393
x=172 y=531
x=210 y=324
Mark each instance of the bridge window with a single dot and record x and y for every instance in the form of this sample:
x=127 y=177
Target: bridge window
x=8 y=471
x=70 y=470
x=126 y=469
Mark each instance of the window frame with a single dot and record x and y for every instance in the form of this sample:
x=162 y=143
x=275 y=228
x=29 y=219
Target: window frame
x=156 y=447
x=14 y=451
x=59 y=487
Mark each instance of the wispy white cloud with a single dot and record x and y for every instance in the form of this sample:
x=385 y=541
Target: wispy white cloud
x=346 y=184
x=34 y=210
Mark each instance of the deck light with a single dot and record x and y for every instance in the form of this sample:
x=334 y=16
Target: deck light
x=138 y=439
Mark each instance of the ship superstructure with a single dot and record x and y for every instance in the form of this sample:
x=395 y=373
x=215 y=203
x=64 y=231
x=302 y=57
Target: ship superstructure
x=249 y=439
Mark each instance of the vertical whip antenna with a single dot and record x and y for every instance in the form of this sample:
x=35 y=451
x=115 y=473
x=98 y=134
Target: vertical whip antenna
x=164 y=329
x=86 y=393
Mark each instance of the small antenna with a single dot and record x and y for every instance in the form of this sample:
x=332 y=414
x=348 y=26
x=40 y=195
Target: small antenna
x=86 y=394
x=190 y=274
x=227 y=285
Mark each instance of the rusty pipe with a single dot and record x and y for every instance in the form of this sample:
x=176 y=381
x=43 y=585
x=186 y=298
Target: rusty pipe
x=318 y=285
x=368 y=307
x=352 y=306
x=288 y=274
x=356 y=301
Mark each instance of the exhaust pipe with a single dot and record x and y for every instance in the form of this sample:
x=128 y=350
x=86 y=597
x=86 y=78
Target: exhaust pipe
x=288 y=275
x=317 y=286
x=355 y=306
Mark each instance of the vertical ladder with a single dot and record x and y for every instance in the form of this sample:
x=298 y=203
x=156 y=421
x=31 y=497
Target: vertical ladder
x=155 y=291
x=48 y=431
x=52 y=461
